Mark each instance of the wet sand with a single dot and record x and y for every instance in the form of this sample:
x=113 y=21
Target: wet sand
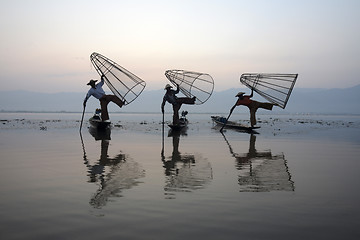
x=296 y=178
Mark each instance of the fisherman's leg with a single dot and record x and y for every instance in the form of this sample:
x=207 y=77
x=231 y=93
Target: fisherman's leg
x=253 y=116
x=186 y=100
x=266 y=105
x=176 y=108
x=253 y=107
x=116 y=100
x=104 y=112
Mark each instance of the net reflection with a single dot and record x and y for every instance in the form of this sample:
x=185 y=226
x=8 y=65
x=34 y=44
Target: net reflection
x=261 y=171
x=111 y=174
x=184 y=172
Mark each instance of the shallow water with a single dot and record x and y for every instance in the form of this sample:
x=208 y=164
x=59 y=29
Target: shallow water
x=297 y=178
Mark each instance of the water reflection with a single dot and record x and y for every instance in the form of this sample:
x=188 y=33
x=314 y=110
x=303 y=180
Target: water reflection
x=184 y=172
x=261 y=171
x=112 y=174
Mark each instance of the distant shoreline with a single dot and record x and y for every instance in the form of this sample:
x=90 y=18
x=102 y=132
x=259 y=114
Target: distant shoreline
x=202 y=113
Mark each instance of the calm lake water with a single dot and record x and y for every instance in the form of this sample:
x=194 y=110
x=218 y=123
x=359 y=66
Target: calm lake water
x=297 y=178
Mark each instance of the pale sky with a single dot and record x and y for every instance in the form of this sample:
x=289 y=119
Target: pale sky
x=46 y=45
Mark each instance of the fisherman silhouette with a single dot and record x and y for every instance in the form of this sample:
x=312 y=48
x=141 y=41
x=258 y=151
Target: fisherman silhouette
x=170 y=97
x=97 y=91
x=251 y=104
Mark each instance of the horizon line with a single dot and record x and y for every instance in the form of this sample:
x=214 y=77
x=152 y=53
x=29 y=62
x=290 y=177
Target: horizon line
x=146 y=90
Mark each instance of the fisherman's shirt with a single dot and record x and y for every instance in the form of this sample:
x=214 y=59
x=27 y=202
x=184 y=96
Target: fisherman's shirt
x=97 y=92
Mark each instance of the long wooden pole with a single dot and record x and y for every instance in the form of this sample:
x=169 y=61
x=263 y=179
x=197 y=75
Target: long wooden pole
x=232 y=109
x=82 y=118
x=163 y=131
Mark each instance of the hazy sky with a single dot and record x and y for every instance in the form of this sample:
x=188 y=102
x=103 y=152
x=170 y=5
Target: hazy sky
x=46 y=45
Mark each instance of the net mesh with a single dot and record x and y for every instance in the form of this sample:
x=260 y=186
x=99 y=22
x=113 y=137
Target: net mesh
x=274 y=87
x=192 y=84
x=124 y=84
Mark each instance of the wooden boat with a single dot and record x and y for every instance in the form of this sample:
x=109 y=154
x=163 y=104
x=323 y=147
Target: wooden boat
x=183 y=122
x=229 y=124
x=180 y=126
x=97 y=123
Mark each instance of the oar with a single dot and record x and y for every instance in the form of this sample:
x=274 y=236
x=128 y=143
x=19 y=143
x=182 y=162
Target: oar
x=163 y=132
x=82 y=118
x=162 y=147
x=232 y=109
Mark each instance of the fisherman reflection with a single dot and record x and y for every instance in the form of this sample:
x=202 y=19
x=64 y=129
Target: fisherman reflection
x=113 y=175
x=184 y=172
x=261 y=171
x=176 y=157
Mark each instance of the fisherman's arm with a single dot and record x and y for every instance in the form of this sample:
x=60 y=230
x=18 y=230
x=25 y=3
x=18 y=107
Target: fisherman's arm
x=163 y=104
x=177 y=89
x=88 y=95
x=101 y=83
x=252 y=93
x=85 y=100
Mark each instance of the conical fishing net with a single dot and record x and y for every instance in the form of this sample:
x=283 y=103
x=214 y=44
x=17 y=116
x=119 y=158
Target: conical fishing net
x=192 y=84
x=124 y=84
x=274 y=87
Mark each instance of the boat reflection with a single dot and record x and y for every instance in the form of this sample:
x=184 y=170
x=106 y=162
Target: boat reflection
x=184 y=172
x=261 y=171
x=111 y=174
x=104 y=134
